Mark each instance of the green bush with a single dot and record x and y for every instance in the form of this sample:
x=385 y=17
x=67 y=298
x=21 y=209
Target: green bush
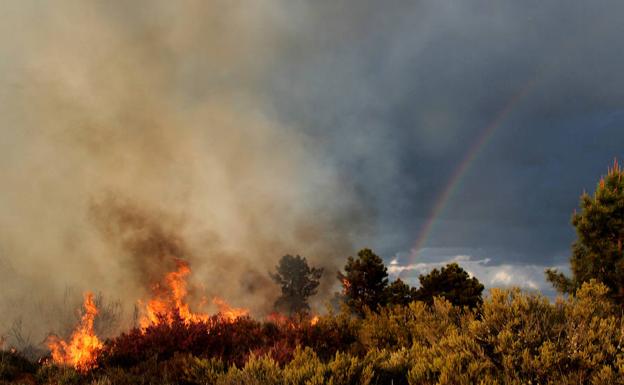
x=304 y=369
x=257 y=371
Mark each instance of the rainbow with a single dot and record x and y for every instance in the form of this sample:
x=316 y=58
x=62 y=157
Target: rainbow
x=457 y=176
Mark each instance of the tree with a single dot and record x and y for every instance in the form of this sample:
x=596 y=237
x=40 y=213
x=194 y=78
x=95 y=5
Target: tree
x=597 y=252
x=364 y=282
x=452 y=283
x=400 y=293
x=298 y=282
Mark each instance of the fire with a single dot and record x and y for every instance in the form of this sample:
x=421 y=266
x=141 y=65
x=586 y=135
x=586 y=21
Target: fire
x=346 y=284
x=229 y=313
x=169 y=301
x=82 y=349
x=278 y=318
x=293 y=322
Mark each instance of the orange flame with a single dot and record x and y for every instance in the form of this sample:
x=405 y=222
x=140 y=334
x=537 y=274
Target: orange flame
x=169 y=301
x=82 y=349
x=284 y=320
x=346 y=285
x=278 y=318
x=229 y=313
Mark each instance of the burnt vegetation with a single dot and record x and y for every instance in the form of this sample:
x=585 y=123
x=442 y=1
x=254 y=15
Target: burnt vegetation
x=378 y=331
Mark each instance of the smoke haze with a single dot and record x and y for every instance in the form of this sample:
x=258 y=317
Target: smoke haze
x=136 y=132
x=230 y=133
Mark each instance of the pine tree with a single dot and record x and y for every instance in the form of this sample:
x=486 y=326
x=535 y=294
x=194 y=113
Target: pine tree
x=597 y=253
x=400 y=293
x=451 y=283
x=364 y=282
x=298 y=282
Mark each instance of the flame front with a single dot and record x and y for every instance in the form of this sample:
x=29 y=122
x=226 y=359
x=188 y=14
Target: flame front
x=82 y=349
x=292 y=322
x=229 y=313
x=169 y=301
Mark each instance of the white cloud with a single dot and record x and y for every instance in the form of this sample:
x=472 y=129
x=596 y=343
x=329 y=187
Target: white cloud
x=526 y=276
x=502 y=277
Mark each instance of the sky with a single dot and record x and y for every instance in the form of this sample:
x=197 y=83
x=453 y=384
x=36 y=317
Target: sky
x=230 y=133
x=401 y=93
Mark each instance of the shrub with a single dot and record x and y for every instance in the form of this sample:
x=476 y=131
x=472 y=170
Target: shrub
x=257 y=371
x=304 y=369
x=13 y=366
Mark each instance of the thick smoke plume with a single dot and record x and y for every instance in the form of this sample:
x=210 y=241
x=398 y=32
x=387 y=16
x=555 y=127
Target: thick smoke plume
x=133 y=133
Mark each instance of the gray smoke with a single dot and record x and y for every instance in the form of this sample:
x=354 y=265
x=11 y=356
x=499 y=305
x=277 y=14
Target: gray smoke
x=131 y=132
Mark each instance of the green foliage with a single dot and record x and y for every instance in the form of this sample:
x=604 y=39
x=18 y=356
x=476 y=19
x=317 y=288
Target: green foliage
x=298 y=282
x=452 y=283
x=397 y=327
x=400 y=293
x=388 y=367
x=257 y=371
x=454 y=359
x=598 y=251
x=202 y=371
x=304 y=369
x=364 y=282
x=513 y=338
x=345 y=369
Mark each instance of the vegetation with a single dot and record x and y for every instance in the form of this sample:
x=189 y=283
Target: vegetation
x=598 y=251
x=444 y=332
x=364 y=282
x=514 y=338
x=451 y=283
x=298 y=281
x=400 y=293
x=365 y=285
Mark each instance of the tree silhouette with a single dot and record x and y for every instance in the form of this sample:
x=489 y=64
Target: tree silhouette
x=364 y=282
x=452 y=283
x=400 y=293
x=597 y=253
x=298 y=281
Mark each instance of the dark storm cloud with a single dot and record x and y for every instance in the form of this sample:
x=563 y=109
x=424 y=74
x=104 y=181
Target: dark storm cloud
x=397 y=92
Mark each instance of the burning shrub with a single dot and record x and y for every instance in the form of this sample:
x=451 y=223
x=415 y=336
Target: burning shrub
x=82 y=349
x=216 y=337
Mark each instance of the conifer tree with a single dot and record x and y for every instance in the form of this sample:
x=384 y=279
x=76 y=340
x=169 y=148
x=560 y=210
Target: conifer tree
x=400 y=293
x=364 y=282
x=298 y=281
x=452 y=283
x=597 y=253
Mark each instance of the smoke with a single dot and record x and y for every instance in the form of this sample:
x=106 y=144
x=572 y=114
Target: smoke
x=133 y=132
